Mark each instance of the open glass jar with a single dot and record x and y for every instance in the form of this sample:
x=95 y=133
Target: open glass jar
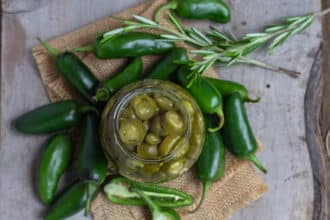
x=152 y=131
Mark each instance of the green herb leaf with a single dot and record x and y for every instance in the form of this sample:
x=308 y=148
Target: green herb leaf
x=274 y=28
x=303 y=26
x=113 y=32
x=145 y=20
x=176 y=22
x=201 y=35
x=170 y=37
x=279 y=40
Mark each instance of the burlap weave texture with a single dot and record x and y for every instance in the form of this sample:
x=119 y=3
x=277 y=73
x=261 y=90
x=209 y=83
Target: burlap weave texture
x=241 y=183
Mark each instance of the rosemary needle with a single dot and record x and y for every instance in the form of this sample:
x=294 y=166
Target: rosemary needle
x=213 y=46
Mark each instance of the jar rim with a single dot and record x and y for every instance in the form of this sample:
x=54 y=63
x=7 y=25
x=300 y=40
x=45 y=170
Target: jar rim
x=123 y=102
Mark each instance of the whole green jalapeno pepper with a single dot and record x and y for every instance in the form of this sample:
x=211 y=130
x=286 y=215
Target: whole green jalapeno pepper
x=214 y=10
x=74 y=71
x=165 y=69
x=206 y=95
x=51 y=117
x=54 y=161
x=74 y=199
x=226 y=88
x=237 y=132
x=157 y=212
x=128 y=44
x=92 y=164
x=118 y=191
x=211 y=163
x=130 y=74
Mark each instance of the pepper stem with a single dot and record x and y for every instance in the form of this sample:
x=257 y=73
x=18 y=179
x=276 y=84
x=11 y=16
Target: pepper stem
x=89 y=200
x=171 y=5
x=51 y=50
x=257 y=163
x=206 y=186
x=88 y=108
x=221 y=118
x=248 y=99
x=89 y=48
x=102 y=94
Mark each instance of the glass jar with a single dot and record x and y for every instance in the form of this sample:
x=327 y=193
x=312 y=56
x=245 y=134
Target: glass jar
x=127 y=131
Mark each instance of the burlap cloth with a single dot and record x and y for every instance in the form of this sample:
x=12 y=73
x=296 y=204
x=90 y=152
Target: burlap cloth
x=240 y=185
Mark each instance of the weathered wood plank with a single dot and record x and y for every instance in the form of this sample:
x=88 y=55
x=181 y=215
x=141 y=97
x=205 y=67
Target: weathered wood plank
x=317 y=109
x=315 y=141
x=325 y=117
x=278 y=120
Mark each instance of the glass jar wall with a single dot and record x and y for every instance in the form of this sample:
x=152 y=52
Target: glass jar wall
x=152 y=131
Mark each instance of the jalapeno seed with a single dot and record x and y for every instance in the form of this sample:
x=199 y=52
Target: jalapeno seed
x=132 y=132
x=137 y=99
x=145 y=107
x=152 y=139
x=173 y=123
x=128 y=113
x=168 y=144
x=164 y=103
x=155 y=126
x=147 y=151
x=174 y=168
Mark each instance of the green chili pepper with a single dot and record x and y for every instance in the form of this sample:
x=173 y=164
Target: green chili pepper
x=211 y=163
x=214 y=10
x=237 y=132
x=165 y=69
x=226 y=88
x=92 y=164
x=74 y=71
x=129 y=44
x=130 y=74
x=52 y=117
x=206 y=95
x=118 y=191
x=157 y=212
x=54 y=161
x=74 y=199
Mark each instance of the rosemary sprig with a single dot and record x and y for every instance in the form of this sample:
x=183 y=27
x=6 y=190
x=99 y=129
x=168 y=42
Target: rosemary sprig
x=215 y=46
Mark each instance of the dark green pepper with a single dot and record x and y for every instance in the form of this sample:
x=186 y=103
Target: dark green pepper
x=211 y=163
x=51 y=118
x=74 y=199
x=54 y=161
x=237 y=132
x=157 y=212
x=165 y=69
x=214 y=10
x=226 y=88
x=130 y=74
x=74 y=71
x=119 y=192
x=206 y=95
x=92 y=164
x=128 y=44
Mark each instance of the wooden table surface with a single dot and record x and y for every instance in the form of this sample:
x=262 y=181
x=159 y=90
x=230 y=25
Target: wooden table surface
x=292 y=120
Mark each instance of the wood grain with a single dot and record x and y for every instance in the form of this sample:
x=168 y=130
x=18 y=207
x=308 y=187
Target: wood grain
x=325 y=111
x=317 y=109
x=318 y=157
